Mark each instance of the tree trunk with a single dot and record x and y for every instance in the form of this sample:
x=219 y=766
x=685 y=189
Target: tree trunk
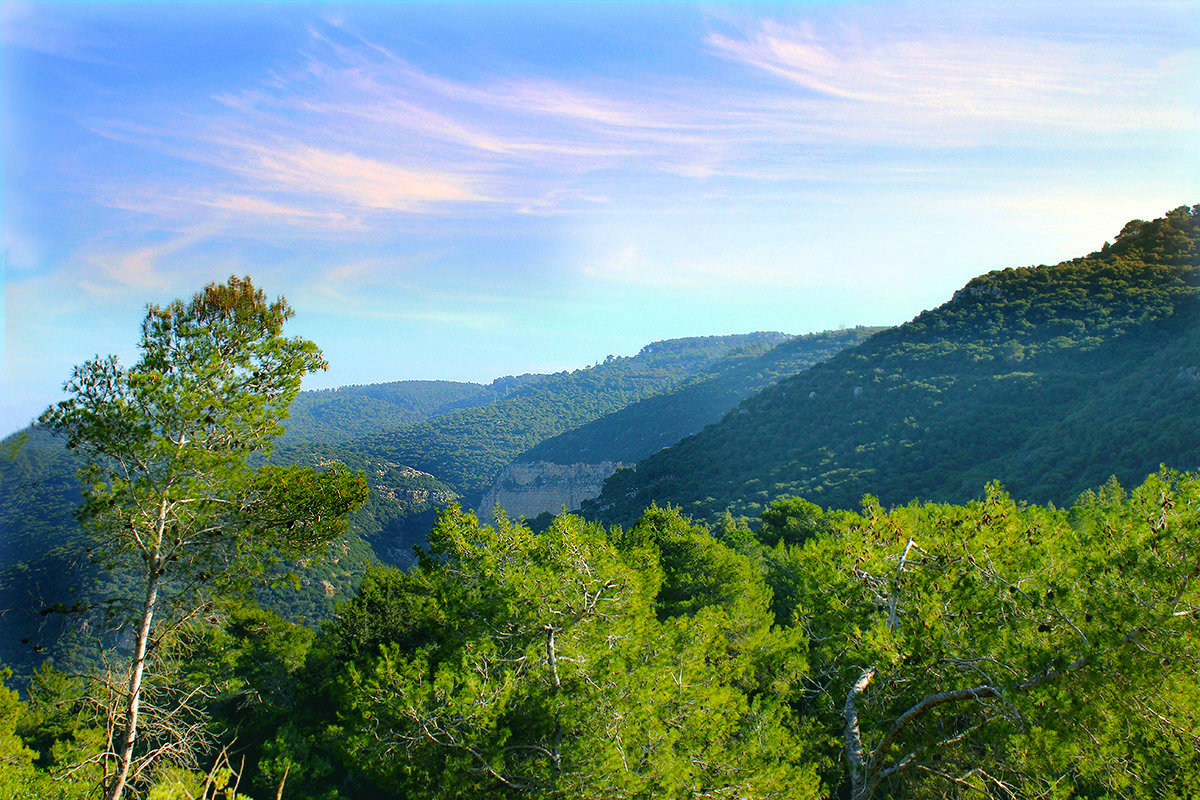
x=141 y=648
x=861 y=785
x=556 y=741
x=125 y=756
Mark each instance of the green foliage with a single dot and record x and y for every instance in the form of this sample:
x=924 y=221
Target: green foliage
x=48 y=739
x=992 y=649
x=257 y=662
x=390 y=607
x=1000 y=645
x=698 y=571
x=554 y=677
x=792 y=520
x=16 y=760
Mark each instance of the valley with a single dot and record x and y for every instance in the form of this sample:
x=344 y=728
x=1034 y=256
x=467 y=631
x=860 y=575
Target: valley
x=850 y=563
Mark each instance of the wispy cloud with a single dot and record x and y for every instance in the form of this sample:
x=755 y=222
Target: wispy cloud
x=239 y=205
x=355 y=180
x=351 y=131
x=960 y=84
x=348 y=136
x=227 y=213
x=111 y=272
x=24 y=28
x=355 y=129
x=439 y=170
x=282 y=178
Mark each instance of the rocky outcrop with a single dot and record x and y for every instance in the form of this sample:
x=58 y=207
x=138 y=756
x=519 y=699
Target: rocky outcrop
x=526 y=489
x=402 y=484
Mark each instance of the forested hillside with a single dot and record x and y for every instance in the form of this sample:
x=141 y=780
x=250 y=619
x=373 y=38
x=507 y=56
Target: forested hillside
x=1047 y=378
x=50 y=582
x=469 y=430
x=925 y=649
x=336 y=415
x=928 y=652
x=465 y=449
x=44 y=557
x=569 y=469
x=643 y=428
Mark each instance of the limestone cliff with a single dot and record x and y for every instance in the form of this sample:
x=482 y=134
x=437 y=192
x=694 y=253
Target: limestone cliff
x=526 y=489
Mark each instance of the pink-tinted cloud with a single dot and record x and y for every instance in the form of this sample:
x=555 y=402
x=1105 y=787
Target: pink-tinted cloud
x=355 y=180
x=959 y=84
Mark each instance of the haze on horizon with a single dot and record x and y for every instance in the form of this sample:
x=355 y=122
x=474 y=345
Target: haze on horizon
x=463 y=191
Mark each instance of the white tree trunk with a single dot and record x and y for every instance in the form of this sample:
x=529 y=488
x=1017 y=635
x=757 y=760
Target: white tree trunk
x=141 y=648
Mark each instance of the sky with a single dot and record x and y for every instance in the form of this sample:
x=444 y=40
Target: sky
x=465 y=191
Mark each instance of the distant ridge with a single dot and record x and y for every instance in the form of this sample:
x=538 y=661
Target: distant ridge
x=467 y=448
x=645 y=427
x=567 y=469
x=347 y=412
x=422 y=444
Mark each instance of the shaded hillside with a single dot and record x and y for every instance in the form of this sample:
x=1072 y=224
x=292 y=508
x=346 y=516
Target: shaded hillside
x=569 y=469
x=645 y=427
x=1047 y=378
x=52 y=593
x=44 y=559
x=467 y=448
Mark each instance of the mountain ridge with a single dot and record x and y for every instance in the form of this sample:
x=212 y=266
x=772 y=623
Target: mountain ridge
x=973 y=390
x=568 y=469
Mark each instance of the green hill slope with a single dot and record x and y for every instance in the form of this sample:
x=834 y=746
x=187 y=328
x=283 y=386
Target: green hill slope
x=337 y=415
x=1048 y=378
x=52 y=595
x=465 y=449
x=645 y=427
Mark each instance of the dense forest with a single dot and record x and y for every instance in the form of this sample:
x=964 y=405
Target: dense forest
x=990 y=649
x=944 y=562
x=461 y=431
x=345 y=413
x=466 y=449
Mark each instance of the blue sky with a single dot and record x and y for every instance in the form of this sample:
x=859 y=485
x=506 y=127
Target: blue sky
x=463 y=191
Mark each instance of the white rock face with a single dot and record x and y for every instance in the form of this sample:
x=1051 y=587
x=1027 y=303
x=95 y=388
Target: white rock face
x=527 y=489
